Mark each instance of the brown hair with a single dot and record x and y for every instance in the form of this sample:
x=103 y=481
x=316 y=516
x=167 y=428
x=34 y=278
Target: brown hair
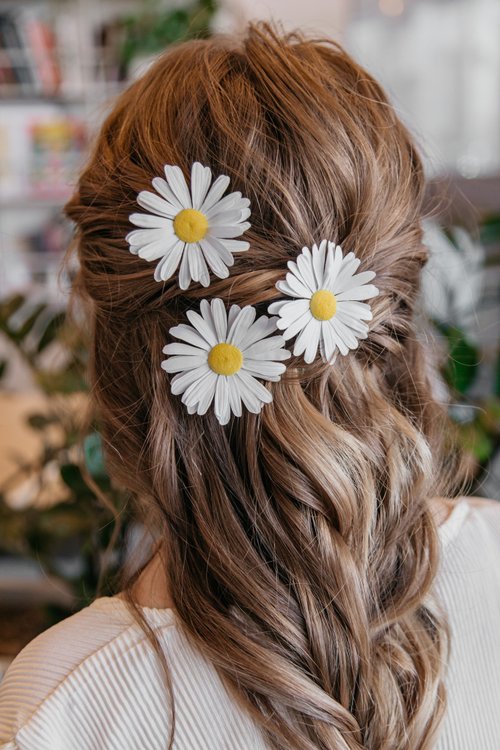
x=301 y=543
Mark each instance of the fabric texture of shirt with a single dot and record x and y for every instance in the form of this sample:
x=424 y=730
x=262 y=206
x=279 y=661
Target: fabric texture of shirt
x=93 y=681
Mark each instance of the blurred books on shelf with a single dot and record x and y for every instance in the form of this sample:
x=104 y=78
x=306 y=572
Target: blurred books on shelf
x=28 y=57
x=41 y=149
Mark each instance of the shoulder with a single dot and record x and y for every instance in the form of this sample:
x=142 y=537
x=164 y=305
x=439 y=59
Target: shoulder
x=470 y=539
x=473 y=517
x=47 y=665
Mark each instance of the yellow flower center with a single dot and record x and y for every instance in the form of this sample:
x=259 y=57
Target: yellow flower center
x=323 y=304
x=225 y=359
x=190 y=225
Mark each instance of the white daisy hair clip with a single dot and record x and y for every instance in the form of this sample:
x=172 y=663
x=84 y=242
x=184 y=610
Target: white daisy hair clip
x=327 y=308
x=194 y=227
x=221 y=355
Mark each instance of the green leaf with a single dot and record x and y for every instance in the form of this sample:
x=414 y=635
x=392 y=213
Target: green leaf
x=490 y=229
x=474 y=439
x=463 y=359
x=496 y=385
x=9 y=306
x=40 y=422
x=19 y=334
x=94 y=456
x=51 y=331
x=72 y=477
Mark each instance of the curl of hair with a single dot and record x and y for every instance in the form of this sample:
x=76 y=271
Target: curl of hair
x=302 y=547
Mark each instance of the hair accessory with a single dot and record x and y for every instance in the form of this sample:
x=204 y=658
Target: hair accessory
x=194 y=227
x=221 y=357
x=327 y=309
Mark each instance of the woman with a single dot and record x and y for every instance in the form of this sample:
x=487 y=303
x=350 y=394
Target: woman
x=276 y=424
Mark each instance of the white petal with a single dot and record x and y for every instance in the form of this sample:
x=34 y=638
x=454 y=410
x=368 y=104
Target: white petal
x=310 y=333
x=168 y=265
x=256 y=389
x=207 y=392
x=220 y=249
x=234 y=397
x=346 y=334
x=183 y=380
x=232 y=200
x=297 y=325
x=334 y=260
x=205 y=275
x=359 y=310
x=221 y=406
x=237 y=333
x=214 y=260
x=202 y=327
x=349 y=267
x=177 y=182
x=304 y=264
x=201 y=178
x=201 y=390
x=275 y=307
x=312 y=342
x=184 y=273
x=235 y=246
x=177 y=348
x=229 y=218
x=144 y=236
x=318 y=262
x=180 y=363
x=298 y=288
x=153 y=202
x=358 y=293
x=293 y=310
x=272 y=355
x=194 y=254
x=264 y=370
x=215 y=193
x=192 y=336
x=248 y=397
x=359 y=279
x=338 y=338
x=219 y=317
x=149 y=221
x=272 y=343
x=232 y=315
x=154 y=250
x=261 y=328
x=328 y=341
x=162 y=187
x=354 y=323
x=228 y=232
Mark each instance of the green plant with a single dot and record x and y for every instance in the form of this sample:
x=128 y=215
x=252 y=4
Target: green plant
x=156 y=27
x=78 y=539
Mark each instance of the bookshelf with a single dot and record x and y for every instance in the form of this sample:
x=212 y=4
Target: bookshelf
x=60 y=67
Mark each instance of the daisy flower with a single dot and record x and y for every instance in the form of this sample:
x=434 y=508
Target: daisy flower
x=220 y=358
x=194 y=227
x=326 y=309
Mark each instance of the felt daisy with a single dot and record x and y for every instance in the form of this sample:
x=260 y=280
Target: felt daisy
x=220 y=358
x=327 y=308
x=194 y=226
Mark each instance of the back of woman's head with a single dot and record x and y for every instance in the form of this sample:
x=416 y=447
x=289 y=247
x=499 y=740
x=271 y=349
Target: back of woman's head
x=301 y=546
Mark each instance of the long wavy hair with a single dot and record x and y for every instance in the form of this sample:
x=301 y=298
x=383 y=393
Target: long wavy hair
x=301 y=542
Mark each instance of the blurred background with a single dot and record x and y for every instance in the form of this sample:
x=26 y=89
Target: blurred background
x=62 y=62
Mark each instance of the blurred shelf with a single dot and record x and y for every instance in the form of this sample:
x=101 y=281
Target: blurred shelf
x=23 y=203
x=23 y=582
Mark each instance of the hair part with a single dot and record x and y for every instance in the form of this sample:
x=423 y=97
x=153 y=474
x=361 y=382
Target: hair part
x=301 y=543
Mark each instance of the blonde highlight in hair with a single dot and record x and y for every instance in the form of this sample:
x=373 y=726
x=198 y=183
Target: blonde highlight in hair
x=301 y=544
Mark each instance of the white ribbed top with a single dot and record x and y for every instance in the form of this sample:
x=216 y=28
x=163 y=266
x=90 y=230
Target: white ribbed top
x=93 y=682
